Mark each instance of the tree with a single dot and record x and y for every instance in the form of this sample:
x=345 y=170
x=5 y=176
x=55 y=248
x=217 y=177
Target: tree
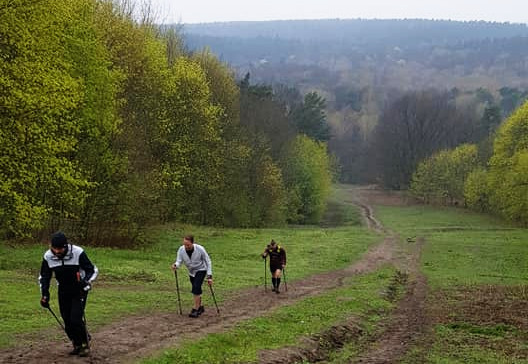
x=310 y=117
x=508 y=171
x=39 y=129
x=307 y=176
x=191 y=159
x=441 y=177
x=476 y=191
x=414 y=127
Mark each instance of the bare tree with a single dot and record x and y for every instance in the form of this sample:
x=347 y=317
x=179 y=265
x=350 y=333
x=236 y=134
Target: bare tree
x=414 y=127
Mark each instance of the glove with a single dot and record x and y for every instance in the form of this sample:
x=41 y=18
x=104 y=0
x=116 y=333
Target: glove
x=44 y=301
x=85 y=286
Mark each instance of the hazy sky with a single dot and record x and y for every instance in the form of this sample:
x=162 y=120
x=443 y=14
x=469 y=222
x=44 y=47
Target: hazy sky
x=199 y=11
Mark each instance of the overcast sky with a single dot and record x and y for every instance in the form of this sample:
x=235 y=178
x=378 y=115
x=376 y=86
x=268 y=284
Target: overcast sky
x=201 y=11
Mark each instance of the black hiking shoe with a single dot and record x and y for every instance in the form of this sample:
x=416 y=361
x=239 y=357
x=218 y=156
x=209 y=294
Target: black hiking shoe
x=201 y=310
x=76 y=350
x=273 y=289
x=194 y=313
x=277 y=290
x=84 y=350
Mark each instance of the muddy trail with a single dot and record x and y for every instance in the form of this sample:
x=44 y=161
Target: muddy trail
x=138 y=336
x=396 y=333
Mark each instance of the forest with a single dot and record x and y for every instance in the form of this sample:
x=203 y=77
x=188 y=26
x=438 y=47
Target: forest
x=108 y=124
x=425 y=106
x=111 y=122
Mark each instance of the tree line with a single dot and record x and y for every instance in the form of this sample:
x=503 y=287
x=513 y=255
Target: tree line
x=493 y=180
x=108 y=123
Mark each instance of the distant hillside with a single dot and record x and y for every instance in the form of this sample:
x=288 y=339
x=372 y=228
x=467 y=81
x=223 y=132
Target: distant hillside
x=361 y=31
x=361 y=67
x=433 y=51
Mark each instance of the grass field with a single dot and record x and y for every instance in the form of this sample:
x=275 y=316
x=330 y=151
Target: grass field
x=477 y=270
x=139 y=280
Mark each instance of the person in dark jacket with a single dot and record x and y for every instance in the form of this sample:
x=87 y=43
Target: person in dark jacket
x=277 y=262
x=74 y=274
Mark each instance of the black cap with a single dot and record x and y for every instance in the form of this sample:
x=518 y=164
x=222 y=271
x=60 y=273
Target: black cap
x=58 y=240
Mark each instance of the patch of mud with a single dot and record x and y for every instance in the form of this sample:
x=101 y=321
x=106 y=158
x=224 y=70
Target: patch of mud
x=315 y=348
x=492 y=317
x=483 y=305
x=318 y=347
x=398 y=280
x=404 y=327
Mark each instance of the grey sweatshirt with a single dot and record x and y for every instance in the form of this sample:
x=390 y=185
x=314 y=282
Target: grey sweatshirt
x=198 y=261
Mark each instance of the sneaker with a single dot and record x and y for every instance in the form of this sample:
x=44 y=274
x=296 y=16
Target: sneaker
x=76 y=350
x=201 y=310
x=84 y=350
x=273 y=289
x=277 y=291
x=194 y=313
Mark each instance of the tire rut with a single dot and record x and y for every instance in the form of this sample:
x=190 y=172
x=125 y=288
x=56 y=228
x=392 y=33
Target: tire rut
x=405 y=325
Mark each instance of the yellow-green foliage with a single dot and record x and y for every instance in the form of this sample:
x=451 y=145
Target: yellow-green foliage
x=476 y=193
x=442 y=176
x=508 y=173
x=308 y=177
x=39 y=128
x=107 y=125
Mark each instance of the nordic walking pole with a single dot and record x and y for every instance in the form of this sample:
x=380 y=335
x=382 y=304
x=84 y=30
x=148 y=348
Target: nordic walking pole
x=265 y=276
x=214 y=298
x=178 y=290
x=285 y=282
x=56 y=318
x=87 y=335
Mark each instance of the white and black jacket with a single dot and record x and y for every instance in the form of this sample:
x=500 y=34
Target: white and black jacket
x=71 y=271
x=198 y=261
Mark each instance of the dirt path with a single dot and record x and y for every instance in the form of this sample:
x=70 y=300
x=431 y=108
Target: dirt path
x=396 y=333
x=139 y=336
x=406 y=324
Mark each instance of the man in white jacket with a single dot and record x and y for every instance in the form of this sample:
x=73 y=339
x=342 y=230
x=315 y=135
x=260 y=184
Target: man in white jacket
x=199 y=266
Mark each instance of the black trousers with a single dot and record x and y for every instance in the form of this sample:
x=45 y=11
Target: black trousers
x=71 y=304
x=197 y=281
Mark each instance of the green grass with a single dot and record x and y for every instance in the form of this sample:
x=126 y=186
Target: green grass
x=464 y=251
x=462 y=248
x=340 y=211
x=466 y=344
x=140 y=280
x=361 y=296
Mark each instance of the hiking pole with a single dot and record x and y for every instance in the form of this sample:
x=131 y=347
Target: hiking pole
x=56 y=318
x=178 y=290
x=285 y=283
x=265 y=276
x=214 y=299
x=87 y=335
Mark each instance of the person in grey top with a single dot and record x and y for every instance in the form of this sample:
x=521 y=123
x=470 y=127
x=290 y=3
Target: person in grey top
x=198 y=263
